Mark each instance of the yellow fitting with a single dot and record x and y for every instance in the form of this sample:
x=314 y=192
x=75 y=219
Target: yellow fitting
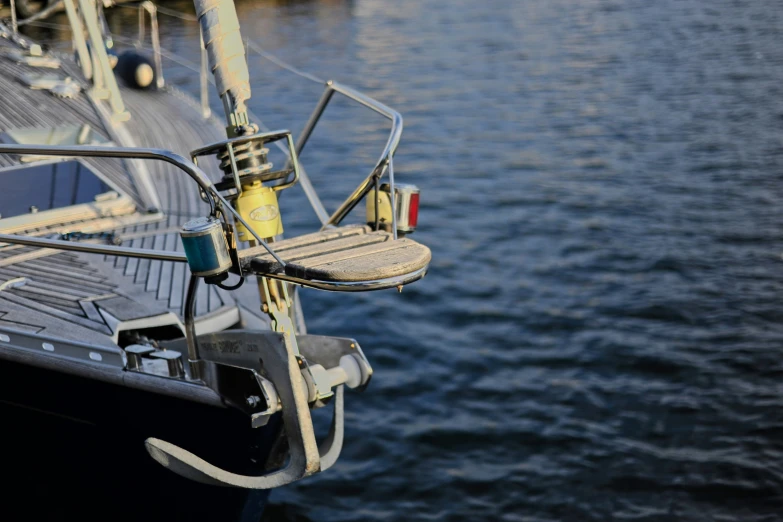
x=383 y=203
x=258 y=207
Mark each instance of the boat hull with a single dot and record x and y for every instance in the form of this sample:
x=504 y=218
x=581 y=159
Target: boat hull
x=76 y=446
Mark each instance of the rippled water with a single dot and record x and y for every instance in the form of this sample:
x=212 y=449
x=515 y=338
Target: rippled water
x=599 y=337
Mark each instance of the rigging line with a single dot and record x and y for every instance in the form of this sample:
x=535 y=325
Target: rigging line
x=176 y=14
x=49 y=25
x=166 y=54
x=190 y=65
x=163 y=10
x=55 y=45
x=257 y=48
x=183 y=16
x=280 y=63
x=41 y=14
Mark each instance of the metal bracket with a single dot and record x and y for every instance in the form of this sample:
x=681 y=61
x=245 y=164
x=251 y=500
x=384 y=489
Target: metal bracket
x=273 y=355
x=301 y=464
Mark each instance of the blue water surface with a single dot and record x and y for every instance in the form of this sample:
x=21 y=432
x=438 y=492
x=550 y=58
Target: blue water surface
x=599 y=337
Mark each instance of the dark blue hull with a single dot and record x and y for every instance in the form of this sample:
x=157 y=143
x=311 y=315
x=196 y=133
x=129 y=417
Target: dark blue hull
x=73 y=449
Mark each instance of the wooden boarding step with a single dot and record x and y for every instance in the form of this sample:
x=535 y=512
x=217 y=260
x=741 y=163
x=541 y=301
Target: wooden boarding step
x=351 y=254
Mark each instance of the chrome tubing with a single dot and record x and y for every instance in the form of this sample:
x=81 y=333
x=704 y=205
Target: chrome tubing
x=43 y=13
x=101 y=68
x=14 y=25
x=190 y=327
x=152 y=10
x=92 y=248
x=301 y=141
x=183 y=164
x=78 y=38
x=267 y=137
x=384 y=164
x=362 y=286
x=95 y=151
x=206 y=112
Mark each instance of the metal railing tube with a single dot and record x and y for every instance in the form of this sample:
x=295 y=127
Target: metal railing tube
x=188 y=167
x=204 y=79
x=78 y=39
x=92 y=248
x=384 y=163
x=98 y=50
x=301 y=141
x=97 y=151
x=14 y=26
x=190 y=327
x=152 y=10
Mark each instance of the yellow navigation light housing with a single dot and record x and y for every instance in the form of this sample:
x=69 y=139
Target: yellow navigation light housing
x=258 y=207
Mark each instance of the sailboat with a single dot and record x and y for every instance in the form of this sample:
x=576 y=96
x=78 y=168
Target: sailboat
x=134 y=373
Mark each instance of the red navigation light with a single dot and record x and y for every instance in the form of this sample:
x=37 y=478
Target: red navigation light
x=406 y=204
x=413 y=210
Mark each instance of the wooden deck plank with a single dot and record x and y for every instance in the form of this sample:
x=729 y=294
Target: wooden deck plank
x=281 y=247
x=367 y=263
x=350 y=254
x=318 y=249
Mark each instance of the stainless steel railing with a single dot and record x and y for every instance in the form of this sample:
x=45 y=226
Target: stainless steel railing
x=215 y=200
x=384 y=164
x=152 y=11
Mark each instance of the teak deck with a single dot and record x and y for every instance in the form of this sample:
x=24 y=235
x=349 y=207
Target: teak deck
x=349 y=254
